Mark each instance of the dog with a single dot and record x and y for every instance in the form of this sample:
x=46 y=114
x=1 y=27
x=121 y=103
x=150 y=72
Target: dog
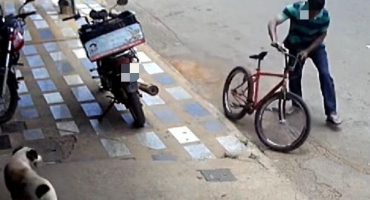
x=22 y=181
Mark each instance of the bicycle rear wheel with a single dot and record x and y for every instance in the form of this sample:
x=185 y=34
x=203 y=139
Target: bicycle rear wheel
x=246 y=93
x=298 y=107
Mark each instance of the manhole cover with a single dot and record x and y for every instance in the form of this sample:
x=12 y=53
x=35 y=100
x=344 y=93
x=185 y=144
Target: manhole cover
x=218 y=175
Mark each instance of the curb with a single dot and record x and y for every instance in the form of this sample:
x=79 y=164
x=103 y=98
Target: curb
x=252 y=148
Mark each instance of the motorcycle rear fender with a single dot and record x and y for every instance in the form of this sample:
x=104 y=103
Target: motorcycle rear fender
x=130 y=87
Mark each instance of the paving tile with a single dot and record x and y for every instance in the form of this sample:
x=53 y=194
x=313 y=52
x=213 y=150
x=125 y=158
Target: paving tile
x=183 y=134
x=54 y=17
x=22 y=87
x=18 y=73
x=82 y=93
x=52 y=12
x=88 y=64
x=218 y=175
x=29 y=113
x=120 y=107
x=199 y=152
x=152 y=68
x=64 y=67
x=29 y=50
x=166 y=115
x=152 y=100
x=60 y=112
x=36 y=17
x=5 y=142
x=163 y=157
x=91 y=109
x=52 y=151
x=143 y=57
x=51 y=46
x=76 y=43
x=68 y=32
x=179 y=93
x=164 y=79
x=58 y=56
x=195 y=109
x=214 y=126
x=46 y=85
x=41 y=24
x=25 y=100
x=81 y=6
x=40 y=73
x=54 y=97
x=67 y=128
x=101 y=128
x=46 y=34
x=13 y=127
x=115 y=148
x=127 y=117
x=27 y=36
x=73 y=79
x=33 y=134
x=232 y=144
x=80 y=53
x=81 y=22
x=150 y=140
x=34 y=61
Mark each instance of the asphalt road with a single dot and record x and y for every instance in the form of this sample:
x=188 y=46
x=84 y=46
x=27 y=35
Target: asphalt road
x=204 y=39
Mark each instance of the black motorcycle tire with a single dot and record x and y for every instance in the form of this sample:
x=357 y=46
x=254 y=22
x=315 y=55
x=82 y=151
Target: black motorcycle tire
x=136 y=109
x=13 y=104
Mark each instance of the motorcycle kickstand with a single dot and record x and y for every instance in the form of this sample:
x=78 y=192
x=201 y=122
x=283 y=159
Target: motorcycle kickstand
x=100 y=118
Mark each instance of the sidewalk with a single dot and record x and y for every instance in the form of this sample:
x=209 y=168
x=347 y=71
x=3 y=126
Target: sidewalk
x=57 y=116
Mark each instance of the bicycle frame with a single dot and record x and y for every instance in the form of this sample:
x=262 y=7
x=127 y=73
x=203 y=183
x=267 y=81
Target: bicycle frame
x=256 y=79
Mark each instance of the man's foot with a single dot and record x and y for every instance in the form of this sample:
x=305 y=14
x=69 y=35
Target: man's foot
x=334 y=119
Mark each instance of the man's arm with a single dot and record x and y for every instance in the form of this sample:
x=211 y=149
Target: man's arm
x=287 y=13
x=320 y=39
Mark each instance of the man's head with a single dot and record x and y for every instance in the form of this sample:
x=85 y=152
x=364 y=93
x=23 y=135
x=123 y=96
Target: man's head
x=315 y=6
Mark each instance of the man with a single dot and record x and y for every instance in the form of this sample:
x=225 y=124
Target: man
x=309 y=22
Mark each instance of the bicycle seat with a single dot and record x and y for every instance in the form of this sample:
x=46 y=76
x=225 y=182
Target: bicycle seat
x=259 y=56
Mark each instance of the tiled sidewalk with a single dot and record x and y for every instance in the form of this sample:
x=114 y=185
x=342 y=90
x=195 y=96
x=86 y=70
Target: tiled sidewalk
x=59 y=99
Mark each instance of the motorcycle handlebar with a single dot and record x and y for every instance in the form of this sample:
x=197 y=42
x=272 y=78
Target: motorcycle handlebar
x=75 y=17
x=25 y=15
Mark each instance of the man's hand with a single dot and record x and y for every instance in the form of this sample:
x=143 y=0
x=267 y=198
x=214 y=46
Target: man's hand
x=303 y=54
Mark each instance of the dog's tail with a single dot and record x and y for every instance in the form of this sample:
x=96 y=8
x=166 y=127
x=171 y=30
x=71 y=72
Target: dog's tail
x=41 y=190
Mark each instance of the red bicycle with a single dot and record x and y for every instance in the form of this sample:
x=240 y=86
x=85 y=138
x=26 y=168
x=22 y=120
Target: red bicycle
x=247 y=100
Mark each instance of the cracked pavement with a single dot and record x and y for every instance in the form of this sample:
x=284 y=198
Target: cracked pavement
x=205 y=39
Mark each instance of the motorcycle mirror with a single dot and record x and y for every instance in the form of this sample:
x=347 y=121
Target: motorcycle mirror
x=122 y=2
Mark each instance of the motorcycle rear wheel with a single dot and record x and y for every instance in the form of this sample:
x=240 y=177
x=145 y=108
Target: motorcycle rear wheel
x=136 y=108
x=8 y=113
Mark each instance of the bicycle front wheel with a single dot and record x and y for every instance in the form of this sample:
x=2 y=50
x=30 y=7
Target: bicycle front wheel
x=289 y=109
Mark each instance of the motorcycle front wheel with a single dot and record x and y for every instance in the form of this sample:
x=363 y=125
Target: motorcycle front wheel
x=136 y=109
x=9 y=102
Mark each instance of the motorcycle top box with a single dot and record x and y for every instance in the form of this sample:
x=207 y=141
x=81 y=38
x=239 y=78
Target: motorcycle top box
x=112 y=36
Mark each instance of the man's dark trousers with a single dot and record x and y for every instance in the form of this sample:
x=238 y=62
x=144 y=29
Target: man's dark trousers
x=320 y=60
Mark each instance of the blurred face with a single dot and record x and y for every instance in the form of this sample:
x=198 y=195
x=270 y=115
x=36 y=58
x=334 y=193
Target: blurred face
x=313 y=9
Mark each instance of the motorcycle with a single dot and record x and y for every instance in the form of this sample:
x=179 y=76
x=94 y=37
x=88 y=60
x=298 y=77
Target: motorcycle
x=109 y=67
x=11 y=42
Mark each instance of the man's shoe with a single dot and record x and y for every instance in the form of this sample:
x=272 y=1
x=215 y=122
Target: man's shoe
x=334 y=119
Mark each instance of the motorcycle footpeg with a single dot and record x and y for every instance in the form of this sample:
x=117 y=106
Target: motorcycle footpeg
x=20 y=78
x=93 y=69
x=95 y=77
x=20 y=64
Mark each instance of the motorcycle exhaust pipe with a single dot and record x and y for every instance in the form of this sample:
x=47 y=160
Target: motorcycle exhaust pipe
x=149 y=89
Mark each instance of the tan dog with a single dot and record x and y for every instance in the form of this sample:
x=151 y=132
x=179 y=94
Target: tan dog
x=22 y=181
